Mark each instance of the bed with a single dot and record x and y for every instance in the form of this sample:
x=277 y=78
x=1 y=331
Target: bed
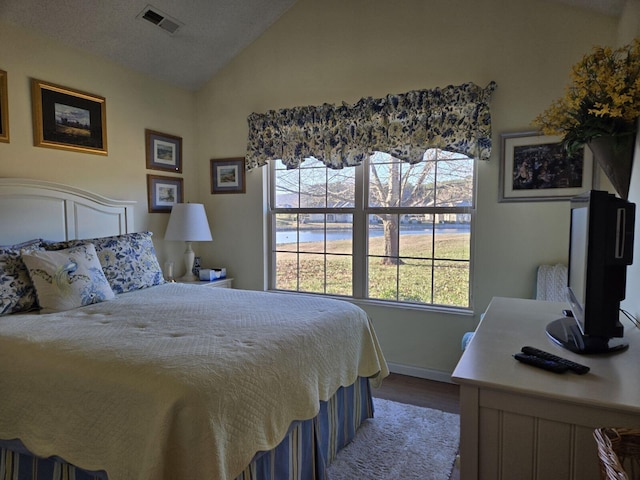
x=125 y=376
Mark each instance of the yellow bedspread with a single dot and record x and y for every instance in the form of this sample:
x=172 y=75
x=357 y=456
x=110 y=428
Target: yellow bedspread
x=177 y=381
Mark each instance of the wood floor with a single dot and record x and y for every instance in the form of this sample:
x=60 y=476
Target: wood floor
x=420 y=392
x=423 y=393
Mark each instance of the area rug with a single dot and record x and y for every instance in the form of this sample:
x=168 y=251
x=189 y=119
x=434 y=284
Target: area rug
x=400 y=442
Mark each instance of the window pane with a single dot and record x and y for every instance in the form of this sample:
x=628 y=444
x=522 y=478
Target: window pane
x=311 y=274
x=313 y=187
x=451 y=283
x=300 y=251
x=341 y=188
x=382 y=283
x=453 y=241
x=339 y=269
x=376 y=238
x=286 y=271
x=287 y=188
x=454 y=181
x=287 y=231
x=383 y=236
x=414 y=281
x=339 y=233
x=384 y=180
x=416 y=239
x=418 y=184
x=312 y=232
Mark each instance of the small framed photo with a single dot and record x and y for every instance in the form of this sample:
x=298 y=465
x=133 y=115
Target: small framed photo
x=163 y=193
x=535 y=167
x=68 y=119
x=228 y=175
x=164 y=151
x=4 y=108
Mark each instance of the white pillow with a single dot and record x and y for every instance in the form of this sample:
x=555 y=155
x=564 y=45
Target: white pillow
x=66 y=279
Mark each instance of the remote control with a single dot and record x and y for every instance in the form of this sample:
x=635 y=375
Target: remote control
x=573 y=366
x=541 y=363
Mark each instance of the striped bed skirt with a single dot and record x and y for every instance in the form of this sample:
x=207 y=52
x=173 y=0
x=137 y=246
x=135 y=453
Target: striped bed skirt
x=305 y=453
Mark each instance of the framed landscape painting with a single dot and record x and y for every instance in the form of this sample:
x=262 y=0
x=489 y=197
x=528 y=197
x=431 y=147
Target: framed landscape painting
x=163 y=193
x=164 y=151
x=68 y=119
x=535 y=167
x=228 y=175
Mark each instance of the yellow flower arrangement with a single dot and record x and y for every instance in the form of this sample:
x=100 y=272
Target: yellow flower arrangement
x=602 y=100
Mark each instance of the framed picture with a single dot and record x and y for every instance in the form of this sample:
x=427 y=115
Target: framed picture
x=163 y=193
x=164 y=151
x=228 y=175
x=535 y=167
x=68 y=119
x=4 y=108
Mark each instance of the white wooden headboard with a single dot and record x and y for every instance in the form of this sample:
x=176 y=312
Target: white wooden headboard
x=38 y=209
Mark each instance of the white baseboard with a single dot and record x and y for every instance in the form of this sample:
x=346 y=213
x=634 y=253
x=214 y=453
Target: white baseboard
x=419 y=372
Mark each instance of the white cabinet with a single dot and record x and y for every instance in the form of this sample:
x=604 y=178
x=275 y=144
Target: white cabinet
x=521 y=422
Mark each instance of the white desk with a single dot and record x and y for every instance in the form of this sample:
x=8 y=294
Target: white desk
x=521 y=422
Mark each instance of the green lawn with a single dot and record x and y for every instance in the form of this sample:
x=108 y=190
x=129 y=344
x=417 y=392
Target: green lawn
x=443 y=281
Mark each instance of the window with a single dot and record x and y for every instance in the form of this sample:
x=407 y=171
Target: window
x=384 y=230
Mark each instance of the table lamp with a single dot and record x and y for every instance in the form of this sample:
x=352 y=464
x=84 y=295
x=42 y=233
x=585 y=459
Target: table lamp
x=188 y=222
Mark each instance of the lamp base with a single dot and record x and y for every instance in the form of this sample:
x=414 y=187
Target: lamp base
x=189 y=257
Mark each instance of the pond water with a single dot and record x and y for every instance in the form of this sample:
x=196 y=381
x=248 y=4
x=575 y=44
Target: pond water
x=289 y=236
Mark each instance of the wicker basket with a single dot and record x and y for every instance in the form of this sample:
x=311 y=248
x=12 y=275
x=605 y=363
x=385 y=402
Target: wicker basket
x=619 y=453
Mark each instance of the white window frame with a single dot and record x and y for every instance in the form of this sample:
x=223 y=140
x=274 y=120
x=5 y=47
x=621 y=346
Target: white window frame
x=360 y=214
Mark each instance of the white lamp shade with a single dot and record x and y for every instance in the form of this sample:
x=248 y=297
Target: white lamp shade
x=188 y=222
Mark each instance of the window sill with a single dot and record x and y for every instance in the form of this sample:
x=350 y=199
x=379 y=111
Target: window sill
x=388 y=304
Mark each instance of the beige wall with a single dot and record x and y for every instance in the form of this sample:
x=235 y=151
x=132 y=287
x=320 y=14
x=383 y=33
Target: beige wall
x=133 y=102
x=333 y=51
x=629 y=25
x=326 y=51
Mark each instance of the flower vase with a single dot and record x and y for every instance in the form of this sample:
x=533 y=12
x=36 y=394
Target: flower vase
x=614 y=154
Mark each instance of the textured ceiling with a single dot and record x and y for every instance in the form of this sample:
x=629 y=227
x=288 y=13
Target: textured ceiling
x=214 y=31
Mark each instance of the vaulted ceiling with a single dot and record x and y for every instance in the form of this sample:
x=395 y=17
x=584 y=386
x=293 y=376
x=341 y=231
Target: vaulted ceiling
x=184 y=42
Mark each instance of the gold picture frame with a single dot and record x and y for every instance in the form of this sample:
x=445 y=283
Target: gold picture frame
x=4 y=108
x=68 y=119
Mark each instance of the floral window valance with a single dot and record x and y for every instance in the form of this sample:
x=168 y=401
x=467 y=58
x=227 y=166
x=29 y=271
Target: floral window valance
x=455 y=118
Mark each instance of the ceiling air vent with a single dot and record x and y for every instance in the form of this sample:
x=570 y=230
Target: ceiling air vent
x=157 y=17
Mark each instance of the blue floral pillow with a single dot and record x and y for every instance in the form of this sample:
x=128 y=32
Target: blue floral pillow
x=66 y=279
x=17 y=293
x=129 y=261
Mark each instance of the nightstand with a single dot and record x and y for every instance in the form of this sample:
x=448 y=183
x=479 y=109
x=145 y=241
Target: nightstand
x=221 y=283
